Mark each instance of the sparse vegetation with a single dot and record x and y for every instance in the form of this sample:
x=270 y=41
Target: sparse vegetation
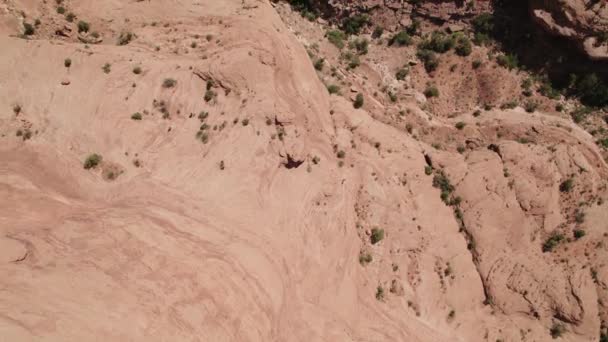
x=354 y=24
x=429 y=59
x=578 y=233
x=380 y=293
x=460 y=125
x=92 y=161
x=70 y=17
x=107 y=68
x=439 y=42
x=336 y=37
x=557 y=330
x=377 y=235
x=508 y=61
x=358 y=103
x=333 y=89
x=137 y=70
x=60 y=9
x=400 y=39
x=125 y=38
x=169 y=83
x=67 y=62
x=83 y=26
x=552 y=242
x=431 y=91
x=463 y=46
x=365 y=258
x=136 y=116
x=567 y=185
x=530 y=106
x=28 y=29
x=341 y=154
x=378 y=31
x=402 y=73
x=319 y=63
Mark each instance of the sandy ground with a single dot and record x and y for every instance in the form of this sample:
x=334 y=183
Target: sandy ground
x=256 y=234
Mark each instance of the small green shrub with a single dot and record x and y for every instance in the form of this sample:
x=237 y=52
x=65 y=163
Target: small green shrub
x=428 y=170
x=354 y=24
x=83 y=26
x=319 y=63
x=209 y=95
x=125 y=38
x=28 y=29
x=460 y=125
x=92 y=161
x=476 y=64
x=402 y=73
x=136 y=116
x=552 y=242
x=378 y=31
x=333 y=89
x=400 y=39
x=358 y=103
x=106 y=68
x=439 y=42
x=336 y=37
x=567 y=185
x=70 y=17
x=508 y=61
x=361 y=45
x=67 y=62
x=530 y=106
x=380 y=293
x=60 y=9
x=169 y=83
x=429 y=59
x=365 y=258
x=579 y=233
x=557 y=330
x=431 y=91
x=377 y=235
x=463 y=46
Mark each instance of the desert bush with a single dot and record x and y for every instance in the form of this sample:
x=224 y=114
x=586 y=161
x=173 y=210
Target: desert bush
x=365 y=258
x=106 y=68
x=591 y=90
x=319 y=63
x=508 y=61
x=557 y=330
x=460 y=125
x=476 y=64
x=377 y=235
x=378 y=31
x=463 y=46
x=125 y=38
x=360 y=44
x=17 y=109
x=402 y=73
x=209 y=95
x=530 y=106
x=579 y=233
x=336 y=37
x=439 y=42
x=358 y=103
x=60 y=9
x=379 y=293
x=70 y=17
x=567 y=185
x=428 y=170
x=67 y=62
x=333 y=89
x=400 y=39
x=431 y=91
x=169 y=83
x=136 y=116
x=354 y=24
x=92 y=161
x=341 y=154
x=245 y=122
x=137 y=70
x=552 y=242
x=429 y=59
x=28 y=29
x=83 y=26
